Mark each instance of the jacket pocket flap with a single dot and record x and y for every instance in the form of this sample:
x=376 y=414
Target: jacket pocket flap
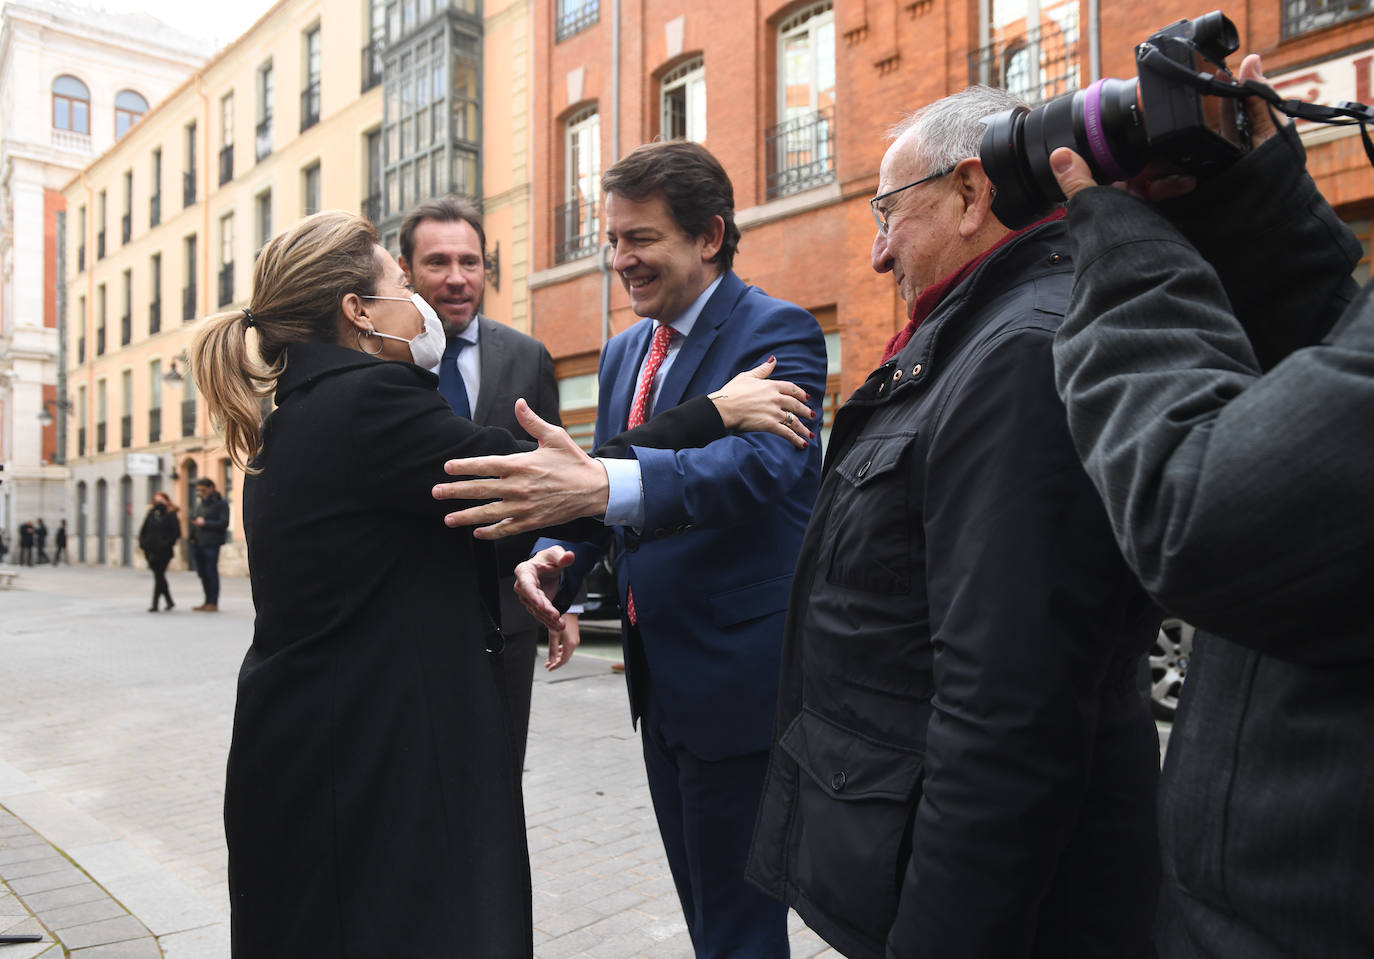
x=874 y=457
x=850 y=766
x=750 y=602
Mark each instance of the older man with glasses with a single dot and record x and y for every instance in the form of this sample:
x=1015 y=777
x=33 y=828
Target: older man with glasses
x=963 y=765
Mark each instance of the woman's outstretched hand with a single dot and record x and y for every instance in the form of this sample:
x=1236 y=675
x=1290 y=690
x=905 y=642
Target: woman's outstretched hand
x=752 y=403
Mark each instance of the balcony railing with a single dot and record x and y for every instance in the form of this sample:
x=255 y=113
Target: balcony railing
x=801 y=152
x=226 y=284
x=262 y=139
x=126 y=329
x=154 y=317
x=81 y=258
x=126 y=227
x=126 y=431
x=188 y=302
x=372 y=207
x=310 y=106
x=1036 y=65
x=100 y=340
x=155 y=425
x=100 y=245
x=81 y=441
x=575 y=16
x=1304 y=16
x=154 y=209
x=100 y=437
x=372 y=63
x=226 y=164
x=188 y=188
x=576 y=230
x=188 y=417
x=67 y=140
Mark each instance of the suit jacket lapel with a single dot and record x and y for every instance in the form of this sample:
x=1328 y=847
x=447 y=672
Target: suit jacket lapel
x=704 y=332
x=627 y=376
x=493 y=360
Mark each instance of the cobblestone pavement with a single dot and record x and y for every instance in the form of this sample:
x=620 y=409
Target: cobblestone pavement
x=114 y=726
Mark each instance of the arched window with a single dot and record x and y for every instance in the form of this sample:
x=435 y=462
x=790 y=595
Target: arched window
x=129 y=106
x=71 y=105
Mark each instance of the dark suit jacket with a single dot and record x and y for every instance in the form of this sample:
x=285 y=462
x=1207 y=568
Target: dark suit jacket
x=712 y=566
x=1220 y=385
x=514 y=365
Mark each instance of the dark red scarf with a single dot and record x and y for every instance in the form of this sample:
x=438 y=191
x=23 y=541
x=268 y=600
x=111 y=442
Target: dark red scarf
x=932 y=295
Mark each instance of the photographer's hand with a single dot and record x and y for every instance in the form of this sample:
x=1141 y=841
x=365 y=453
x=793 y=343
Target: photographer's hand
x=1262 y=116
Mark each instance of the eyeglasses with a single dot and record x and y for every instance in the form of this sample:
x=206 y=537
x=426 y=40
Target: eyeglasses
x=880 y=215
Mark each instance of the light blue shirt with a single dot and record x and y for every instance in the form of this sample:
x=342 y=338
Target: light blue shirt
x=625 y=504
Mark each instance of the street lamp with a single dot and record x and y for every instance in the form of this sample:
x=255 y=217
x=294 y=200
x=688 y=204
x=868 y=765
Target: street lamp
x=45 y=419
x=174 y=375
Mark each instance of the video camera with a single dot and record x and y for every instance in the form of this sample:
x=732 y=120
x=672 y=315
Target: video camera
x=1185 y=109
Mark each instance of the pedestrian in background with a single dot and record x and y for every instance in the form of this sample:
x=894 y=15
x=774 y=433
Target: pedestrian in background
x=4 y=545
x=209 y=520
x=40 y=537
x=59 y=539
x=159 y=533
x=26 y=544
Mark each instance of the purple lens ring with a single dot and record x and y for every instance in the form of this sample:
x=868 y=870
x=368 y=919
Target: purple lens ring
x=1097 y=140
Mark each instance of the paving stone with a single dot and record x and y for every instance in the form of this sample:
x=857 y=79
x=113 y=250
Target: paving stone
x=82 y=913
x=67 y=896
x=120 y=929
x=132 y=949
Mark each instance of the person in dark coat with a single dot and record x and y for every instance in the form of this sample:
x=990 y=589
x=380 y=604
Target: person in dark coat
x=40 y=538
x=1217 y=363
x=963 y=765
x=372 y=802
x=159 y=533
x=59 y=540
x=207 y=531
x=26 y=544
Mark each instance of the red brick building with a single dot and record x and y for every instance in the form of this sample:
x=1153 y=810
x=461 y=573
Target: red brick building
x=794 y=98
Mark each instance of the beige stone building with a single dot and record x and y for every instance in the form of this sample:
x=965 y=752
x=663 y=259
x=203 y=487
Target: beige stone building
x=322 y=104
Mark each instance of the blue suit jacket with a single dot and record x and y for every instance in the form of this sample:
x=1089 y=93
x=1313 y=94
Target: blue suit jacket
x=723 y=523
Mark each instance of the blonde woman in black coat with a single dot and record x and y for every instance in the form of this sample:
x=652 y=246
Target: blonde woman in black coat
x=156 y=537
x=373 y=804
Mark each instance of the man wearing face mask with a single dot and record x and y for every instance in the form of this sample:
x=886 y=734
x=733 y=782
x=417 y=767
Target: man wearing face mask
x=485 y=367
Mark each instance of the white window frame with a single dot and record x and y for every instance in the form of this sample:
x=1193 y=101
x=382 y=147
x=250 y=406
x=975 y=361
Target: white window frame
x=686 y=83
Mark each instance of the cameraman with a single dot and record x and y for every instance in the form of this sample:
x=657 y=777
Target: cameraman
x=1217 y=364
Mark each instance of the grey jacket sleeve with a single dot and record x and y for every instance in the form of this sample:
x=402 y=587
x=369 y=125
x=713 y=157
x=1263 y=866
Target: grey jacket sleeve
x=1237 y=490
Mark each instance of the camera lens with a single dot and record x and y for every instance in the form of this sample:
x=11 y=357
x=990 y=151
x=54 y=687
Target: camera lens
x=1101 y=124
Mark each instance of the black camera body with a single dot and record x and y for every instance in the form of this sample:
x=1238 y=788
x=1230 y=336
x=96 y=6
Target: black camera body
x=1120 y=126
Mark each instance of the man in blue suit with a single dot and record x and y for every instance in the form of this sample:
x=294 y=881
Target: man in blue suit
x=704 y=540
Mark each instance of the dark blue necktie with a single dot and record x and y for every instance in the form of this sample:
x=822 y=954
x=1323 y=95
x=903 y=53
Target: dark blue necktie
x=451 y=379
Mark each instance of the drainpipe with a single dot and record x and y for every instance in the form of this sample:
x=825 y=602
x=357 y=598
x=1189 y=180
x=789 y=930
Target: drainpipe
x=203 y=196
x=1094 y=43
x=605 y=256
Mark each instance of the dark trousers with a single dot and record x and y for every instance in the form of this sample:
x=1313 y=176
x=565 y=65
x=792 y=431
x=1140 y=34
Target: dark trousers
x=207 y=568
x=160 y=590
x=706 y=811
x=25 y=555
x=59 y=555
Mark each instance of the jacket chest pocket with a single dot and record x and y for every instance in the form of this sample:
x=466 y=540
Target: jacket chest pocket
x=856 y=803
x=869 y=516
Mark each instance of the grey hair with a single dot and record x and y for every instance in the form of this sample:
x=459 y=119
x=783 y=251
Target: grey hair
x=951 y=129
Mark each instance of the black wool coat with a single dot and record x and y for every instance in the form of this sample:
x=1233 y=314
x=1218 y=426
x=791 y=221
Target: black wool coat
x=157 y=536
x=373 y=804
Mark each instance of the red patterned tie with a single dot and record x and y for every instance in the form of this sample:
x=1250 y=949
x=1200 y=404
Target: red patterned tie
x=639 y=411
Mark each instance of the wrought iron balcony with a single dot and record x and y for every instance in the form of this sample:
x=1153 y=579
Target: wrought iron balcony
x=1036 y=65
x=1304 y=16
x=310 y=106
x=126 y=329
x=574 y=16
x=801 y=152
x=188 y=417
x=188 y=188
x=155 y=425
x=262 y=139
x=188 y=302
x=372 y=63
x=226 y=164
x=154 y=317
x=126 y=227
x=154 y=209
x=576 y=230
x=226 y=284
x=126 y=431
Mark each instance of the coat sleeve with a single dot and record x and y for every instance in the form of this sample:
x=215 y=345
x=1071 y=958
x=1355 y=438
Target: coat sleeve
x=1238 y=494
x=1022 y=576
x=731 y=479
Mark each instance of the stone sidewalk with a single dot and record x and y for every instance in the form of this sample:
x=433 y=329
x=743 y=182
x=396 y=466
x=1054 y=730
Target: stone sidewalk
x=114 y=726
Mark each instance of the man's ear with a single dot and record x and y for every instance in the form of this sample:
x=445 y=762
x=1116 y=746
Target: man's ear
x=405 y=267
x=714 y=237
x=975 y=191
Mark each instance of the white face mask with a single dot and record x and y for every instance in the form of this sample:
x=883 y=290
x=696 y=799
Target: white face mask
x=427 y=348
